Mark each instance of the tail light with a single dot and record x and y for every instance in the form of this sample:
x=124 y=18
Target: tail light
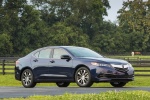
x=17 y=62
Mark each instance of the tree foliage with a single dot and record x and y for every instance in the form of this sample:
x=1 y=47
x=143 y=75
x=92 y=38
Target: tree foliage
x=26 y=25
x=61 y=34
x=135 y=20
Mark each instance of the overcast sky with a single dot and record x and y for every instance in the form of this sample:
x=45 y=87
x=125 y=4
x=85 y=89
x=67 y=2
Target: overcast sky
x=112 y=12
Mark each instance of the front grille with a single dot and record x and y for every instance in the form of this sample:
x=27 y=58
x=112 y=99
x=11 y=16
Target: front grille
x=121 y=69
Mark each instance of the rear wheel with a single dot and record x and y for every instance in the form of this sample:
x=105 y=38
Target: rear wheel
x=118 y=84
x=27 y=79
x=62 y=84
x=83 y=77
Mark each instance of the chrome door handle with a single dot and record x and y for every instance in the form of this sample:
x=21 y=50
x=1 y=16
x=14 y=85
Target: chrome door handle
x=35 y=60
x=52 y=61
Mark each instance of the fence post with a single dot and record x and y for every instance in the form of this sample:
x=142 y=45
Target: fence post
x=3 y=67
x=140 y=61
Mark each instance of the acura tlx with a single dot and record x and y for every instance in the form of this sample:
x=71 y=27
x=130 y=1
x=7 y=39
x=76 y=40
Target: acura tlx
x=66 y=64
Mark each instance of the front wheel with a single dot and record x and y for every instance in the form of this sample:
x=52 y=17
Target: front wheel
x=62 y=84
x=27 y=79
x=118 y=84
x=83 y=77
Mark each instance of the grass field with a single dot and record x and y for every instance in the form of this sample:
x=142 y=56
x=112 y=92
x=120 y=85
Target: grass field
x=136 y=56
x=110 y=95
x=9 y=80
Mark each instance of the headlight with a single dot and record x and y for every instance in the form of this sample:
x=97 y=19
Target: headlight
x=130 y=65
x=100 y=64
x=94 y=63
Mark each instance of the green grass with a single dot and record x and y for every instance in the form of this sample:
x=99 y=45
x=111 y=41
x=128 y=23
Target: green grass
x=110 y=95
x=9 y=80
x=141 y=68
x=136 y=56
x=7 y=67
x=142 y=73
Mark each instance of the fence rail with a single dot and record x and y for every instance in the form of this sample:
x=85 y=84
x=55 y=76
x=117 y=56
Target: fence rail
x=7 y=65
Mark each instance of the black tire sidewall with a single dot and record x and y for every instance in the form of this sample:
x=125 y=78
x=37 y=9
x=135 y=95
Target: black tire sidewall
x=121 y=84
x=62 y=84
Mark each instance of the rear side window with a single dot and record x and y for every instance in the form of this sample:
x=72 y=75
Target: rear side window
x=45 y=53
x=37 y=54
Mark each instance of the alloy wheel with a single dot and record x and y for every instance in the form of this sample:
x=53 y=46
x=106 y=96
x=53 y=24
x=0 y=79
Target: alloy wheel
x=27 y=79
x=83 y=77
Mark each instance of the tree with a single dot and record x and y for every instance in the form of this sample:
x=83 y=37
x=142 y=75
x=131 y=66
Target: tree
x=61 y=34
x=23 y=25
x=6 y=46
x=31 y=33
x=134 y=17
x=85 y=14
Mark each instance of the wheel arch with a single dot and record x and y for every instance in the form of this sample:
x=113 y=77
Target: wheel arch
x=27 y=67
x=77 y=67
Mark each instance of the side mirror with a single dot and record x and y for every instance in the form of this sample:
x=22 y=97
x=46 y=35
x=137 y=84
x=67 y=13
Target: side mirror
x=67 y=57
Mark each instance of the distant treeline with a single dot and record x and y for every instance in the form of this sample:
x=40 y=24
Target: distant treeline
x=26 y=25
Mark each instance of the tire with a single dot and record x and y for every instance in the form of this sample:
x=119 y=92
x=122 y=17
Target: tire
x=83 y=77
x=62 y=84
x=118 y=84
x=27 y=79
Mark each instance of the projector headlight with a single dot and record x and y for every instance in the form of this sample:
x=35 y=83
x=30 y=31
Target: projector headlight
x=94 y=63
x=100 y=64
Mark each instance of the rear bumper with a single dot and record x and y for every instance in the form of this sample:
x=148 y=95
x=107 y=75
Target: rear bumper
x=17 y=73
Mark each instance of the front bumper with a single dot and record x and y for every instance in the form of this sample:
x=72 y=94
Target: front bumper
x=108 y=74
x=115 y=78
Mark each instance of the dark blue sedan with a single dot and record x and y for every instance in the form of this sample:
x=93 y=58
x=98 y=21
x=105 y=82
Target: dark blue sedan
x=66 y=64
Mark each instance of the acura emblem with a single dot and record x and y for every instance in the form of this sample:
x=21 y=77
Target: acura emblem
x=123 y=66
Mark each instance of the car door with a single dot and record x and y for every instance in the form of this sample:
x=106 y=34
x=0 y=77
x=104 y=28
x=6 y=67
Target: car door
x=60 y=68
x=40 y=62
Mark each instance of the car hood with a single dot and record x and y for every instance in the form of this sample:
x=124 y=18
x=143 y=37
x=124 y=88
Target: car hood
x=107 y=60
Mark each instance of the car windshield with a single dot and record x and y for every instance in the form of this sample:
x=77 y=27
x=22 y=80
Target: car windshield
x=83 y=52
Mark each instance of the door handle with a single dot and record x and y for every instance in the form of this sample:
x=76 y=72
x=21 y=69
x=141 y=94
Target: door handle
x=52 y=61
x=35 y=60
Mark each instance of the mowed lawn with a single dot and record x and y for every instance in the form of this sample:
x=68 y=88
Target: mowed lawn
x=9 y=80
x=129 y=56
x=110 y=95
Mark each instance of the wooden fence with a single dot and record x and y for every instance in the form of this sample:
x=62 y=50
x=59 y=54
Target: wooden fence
x=141 y=65
x=7 y=65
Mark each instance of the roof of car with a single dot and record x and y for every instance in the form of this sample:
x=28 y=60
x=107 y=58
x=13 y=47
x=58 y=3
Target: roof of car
x=50 y=47
x=55 y=47
x=61 y=46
